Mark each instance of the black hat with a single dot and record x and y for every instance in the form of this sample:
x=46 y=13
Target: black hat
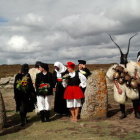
x=45 y=66
x=24 y=68
x=82 y=62
x=37 y=64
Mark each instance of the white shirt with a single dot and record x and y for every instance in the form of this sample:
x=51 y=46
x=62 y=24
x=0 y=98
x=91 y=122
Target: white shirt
x=58 y=75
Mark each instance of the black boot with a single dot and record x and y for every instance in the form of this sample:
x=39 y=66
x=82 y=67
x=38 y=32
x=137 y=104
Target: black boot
x=122 y=109
x=47 y=115
x=42 y=116
x=135 y=106
x=23 y=119
x=137 y=115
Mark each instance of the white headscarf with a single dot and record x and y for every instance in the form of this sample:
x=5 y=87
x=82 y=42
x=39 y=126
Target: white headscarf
x=61 y=67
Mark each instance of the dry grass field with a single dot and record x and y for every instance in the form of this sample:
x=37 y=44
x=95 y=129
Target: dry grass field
x=10 y=70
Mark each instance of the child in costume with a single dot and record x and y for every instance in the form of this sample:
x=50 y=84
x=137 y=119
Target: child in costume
x=73 y=92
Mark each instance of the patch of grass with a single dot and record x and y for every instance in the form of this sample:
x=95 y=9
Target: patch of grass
x=59 y=130
x=133 y=136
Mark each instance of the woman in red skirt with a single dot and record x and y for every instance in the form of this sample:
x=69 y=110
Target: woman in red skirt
x=73 y=92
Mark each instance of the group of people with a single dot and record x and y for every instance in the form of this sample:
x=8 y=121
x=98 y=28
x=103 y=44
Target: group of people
x=33 y=89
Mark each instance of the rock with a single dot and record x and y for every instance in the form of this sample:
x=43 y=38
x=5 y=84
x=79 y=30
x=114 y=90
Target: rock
x=2 y=112
x=4 y=81
x=9 y=86
x=12 y=79
x=11 y=82
x=96 y=97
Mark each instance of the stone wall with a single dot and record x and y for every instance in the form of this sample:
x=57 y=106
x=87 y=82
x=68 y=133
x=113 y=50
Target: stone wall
x=96 y=97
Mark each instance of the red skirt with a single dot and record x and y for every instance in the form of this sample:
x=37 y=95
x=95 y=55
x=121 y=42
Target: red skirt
x=73 y=92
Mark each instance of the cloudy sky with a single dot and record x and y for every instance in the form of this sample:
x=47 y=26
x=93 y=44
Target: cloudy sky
x=63 y=30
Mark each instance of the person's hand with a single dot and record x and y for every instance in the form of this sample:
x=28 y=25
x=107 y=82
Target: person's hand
x=120 y=91
x=54 y=89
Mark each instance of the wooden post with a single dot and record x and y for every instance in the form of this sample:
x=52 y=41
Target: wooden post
x=96 y=98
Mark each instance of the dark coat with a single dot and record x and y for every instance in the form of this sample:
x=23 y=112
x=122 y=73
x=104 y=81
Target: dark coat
x=41 y=78
x=24 y=98
x=60 y=102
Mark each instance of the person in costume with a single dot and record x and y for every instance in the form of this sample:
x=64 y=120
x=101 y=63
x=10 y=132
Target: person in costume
x=44 y=88
x=86 y=72
x=24 y=93
x=125 y=81
x=82 y=68
x=134 y=67
x=132 y=86
x=59 y=103
x=73 y=92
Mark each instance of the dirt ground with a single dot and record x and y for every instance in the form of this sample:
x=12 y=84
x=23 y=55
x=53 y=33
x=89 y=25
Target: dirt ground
x=61 y=128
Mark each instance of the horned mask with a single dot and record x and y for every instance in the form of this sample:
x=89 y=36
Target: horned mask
x=123 y=58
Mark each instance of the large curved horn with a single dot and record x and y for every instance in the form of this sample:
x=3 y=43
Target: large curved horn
x=129 y=43
x=115 y=44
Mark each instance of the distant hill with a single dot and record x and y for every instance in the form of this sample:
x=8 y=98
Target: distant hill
x=10 y=70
